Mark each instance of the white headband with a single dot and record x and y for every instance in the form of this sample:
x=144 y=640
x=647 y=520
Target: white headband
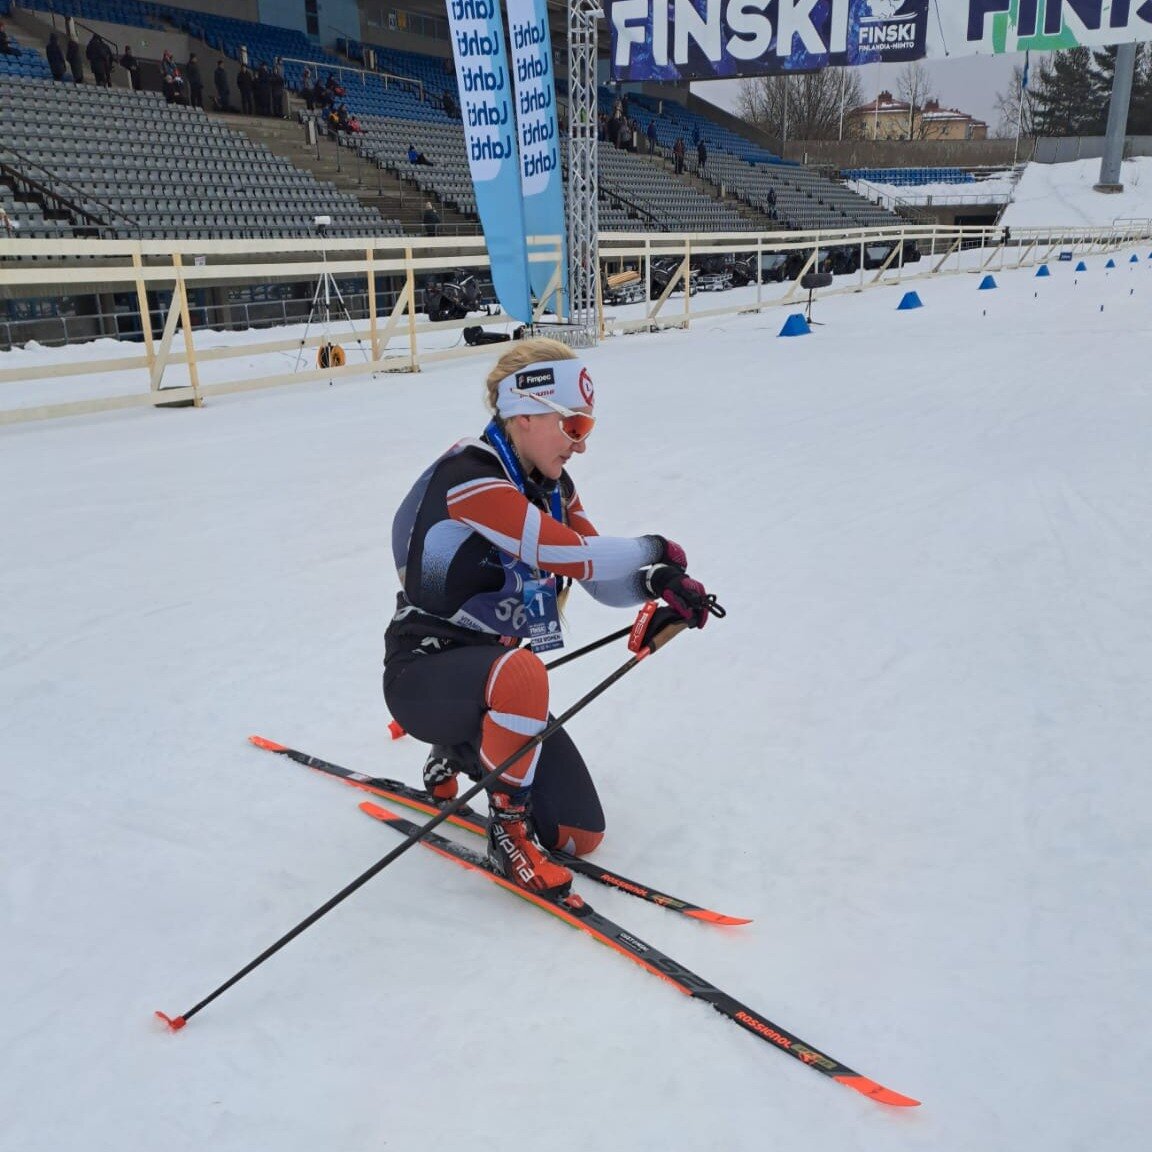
x=564 y=382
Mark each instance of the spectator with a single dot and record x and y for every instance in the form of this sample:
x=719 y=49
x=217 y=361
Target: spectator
x=99 y=55
x=696 y=134
x=195 y=81
x=634 y=134
x=245 y=84
x=223 y=91
x=415 y=157
x=450 y=106
x=431 y=218
x=333 y=85
x=678 y=155
x=306 y=81
x=771 y=197
x=321 y=97
x=175 y=89
x=7 y=48
x=276 y=92
x=75 y=60
x=132 y=66
x=651 y=137
x=167 y=64
x=262 y=91
x=55 y=58
x=701 y=157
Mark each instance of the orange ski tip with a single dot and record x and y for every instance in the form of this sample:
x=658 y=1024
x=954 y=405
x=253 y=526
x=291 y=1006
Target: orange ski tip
x=377 y=810
x=271 y=745
x=174 y=1024
x=716 y=917
x=878 y=1092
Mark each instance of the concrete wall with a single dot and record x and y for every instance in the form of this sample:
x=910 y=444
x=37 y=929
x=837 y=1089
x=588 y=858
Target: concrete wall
x=1060 y=150
x=909 y=154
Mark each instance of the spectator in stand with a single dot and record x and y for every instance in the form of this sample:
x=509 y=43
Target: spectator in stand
x=701 y=157
x=223 y=90
x=75 y=60
x=195 y=81
x=167 y=64
x=175 y=88
x=276 y=91
x=451 y=108
x=634 y=131
x=772 y=198
x=262 y=90
x=305 y=89
x=678 y=155
x=696 y=134
x=321 y=97
x=7 y=48
x=56 y=60
x=100 y=60
x=132 y=66
x=652 y=137
x=417 y=157
x=431 y=218
x=245 y=84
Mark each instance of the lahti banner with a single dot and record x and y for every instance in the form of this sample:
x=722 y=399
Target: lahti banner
x=713 y=39
x=485 y=83
x=538 y=134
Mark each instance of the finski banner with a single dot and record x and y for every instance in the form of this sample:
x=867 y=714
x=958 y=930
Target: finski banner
x=712 y=39
x=541 y=175
x=485 y=83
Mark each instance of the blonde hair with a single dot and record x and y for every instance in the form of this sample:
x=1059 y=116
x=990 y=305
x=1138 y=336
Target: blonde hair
x=520 y=355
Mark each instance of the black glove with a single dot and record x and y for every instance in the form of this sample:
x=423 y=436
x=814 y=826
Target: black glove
x=685 y=596
x=646 y=633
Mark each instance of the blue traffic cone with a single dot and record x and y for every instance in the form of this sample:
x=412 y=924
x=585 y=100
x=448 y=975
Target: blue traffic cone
x=1111 y=263
x=988 y=282
x=1043 y=270
x=909 y=300
x=1081 y=267
x=795 y=325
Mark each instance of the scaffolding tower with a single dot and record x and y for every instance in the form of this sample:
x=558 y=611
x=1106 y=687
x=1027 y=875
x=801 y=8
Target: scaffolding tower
x=582 y=191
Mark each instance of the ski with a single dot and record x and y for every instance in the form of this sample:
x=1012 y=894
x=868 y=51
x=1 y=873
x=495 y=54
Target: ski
x=420 y=801
x=575 y=911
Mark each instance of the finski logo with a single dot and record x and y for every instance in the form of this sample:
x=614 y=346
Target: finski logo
x=540 y=378
x=888 y=25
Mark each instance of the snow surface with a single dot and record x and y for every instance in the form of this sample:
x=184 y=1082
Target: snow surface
x=1061 y=194
x=916 y=753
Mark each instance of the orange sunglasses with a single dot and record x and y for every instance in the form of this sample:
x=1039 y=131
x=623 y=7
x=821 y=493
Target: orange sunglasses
x=577 y=426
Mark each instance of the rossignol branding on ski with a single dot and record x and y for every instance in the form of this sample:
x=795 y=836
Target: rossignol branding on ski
x=419 y=800
x=575 y=911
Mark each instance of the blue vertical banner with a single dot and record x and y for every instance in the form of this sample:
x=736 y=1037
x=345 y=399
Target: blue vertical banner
x=485 y=83
x=538 y=133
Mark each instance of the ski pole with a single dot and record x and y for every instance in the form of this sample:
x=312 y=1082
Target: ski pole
x=175 y=1023
x=397 y=731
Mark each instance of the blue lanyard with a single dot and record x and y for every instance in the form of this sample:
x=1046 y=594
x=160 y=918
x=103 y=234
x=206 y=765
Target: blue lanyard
x=494 y=434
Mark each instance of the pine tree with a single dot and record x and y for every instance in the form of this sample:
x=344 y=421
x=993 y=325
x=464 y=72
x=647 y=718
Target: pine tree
x=1066 y=96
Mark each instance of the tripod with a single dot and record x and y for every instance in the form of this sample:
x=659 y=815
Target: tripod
x=329 y=355
x=812 y=281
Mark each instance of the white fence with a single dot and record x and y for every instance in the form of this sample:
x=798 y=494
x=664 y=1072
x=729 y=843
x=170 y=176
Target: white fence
x=172 y=369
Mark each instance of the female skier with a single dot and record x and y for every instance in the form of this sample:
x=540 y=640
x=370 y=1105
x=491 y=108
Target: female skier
x=486 y=545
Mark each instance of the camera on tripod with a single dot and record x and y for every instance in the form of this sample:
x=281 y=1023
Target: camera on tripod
x=321 y=222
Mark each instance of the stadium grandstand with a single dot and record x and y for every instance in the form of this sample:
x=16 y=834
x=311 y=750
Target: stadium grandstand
x=249 y=120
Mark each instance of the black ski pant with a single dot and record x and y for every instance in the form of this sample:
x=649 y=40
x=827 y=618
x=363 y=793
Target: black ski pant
x=438 y=698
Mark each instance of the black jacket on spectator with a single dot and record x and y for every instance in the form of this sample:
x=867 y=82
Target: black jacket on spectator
x=75 y=61
x=132 y=66
x=223 y=91
x=195 y=82
x=55 y=58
